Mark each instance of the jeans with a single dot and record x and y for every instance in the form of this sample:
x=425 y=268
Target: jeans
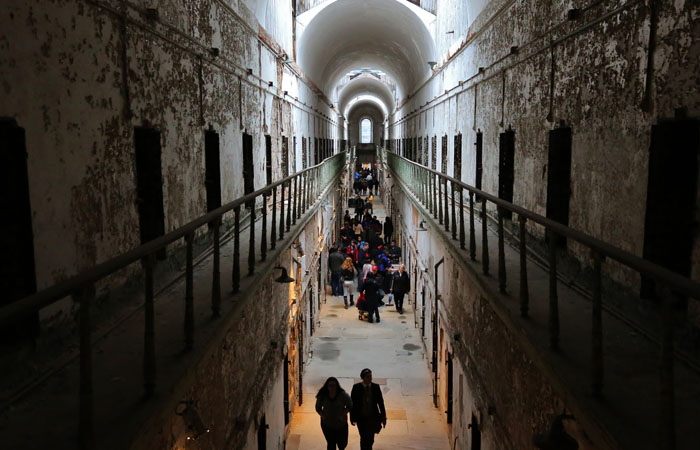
x=335 y=437
x=347 y=289
x=336 y=287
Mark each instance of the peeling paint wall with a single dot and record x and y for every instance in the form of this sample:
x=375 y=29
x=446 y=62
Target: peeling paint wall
x=79 y=75
x=593 y=78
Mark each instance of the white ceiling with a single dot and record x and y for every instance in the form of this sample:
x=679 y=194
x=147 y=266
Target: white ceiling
x=379 y=34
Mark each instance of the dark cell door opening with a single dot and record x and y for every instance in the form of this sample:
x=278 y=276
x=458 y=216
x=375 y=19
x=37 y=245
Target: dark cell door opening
x=285 y=156
x=262 y=433
x=450 y=387
x=506 y=169
x=458 y=157
x=149 y=185
x=17 y=268
x=311 y=311
x=479 y=158
x=433 y=156
x=317 y=152
x=212 y=170
x=422 y=313
x=304 y=153
x=443 y=169
x=248 y=173
x=300 y=353
x=559 y=178
x=671 y=193
x=285 y=382
x=268 y=158
x=476 y=434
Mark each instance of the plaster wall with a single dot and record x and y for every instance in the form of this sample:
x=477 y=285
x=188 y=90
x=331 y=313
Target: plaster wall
x=79 y=75
x=593 y=78
x=494 y=377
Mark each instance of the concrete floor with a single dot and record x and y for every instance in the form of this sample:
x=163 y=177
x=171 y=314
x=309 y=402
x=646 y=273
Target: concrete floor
x=342 y=346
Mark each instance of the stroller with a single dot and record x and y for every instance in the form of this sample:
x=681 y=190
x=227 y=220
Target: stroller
x=361 y=303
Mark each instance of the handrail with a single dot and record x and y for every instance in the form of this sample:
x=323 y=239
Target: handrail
x=307 y=186
x=422 y=182
x=68 y=287
x=679 y=283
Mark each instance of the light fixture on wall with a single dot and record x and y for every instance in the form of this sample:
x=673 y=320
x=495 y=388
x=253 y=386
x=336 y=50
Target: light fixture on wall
x=421 y=226
x=432 y=64
x=556 y=438
x=187 y=409
x=284 y=277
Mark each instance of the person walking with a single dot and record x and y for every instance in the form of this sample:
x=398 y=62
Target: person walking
x=401 y=287
x=371 y=289
x=348 y=275
x=388 y=230
x=335 y=262
x=368 y=410
x=333 y=405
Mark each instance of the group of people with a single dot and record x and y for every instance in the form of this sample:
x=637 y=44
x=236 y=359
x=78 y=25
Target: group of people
x=373 y=267
x=366 y=180
x=365 y=404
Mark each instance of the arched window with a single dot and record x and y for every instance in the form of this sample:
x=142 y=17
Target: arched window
x=366 y=131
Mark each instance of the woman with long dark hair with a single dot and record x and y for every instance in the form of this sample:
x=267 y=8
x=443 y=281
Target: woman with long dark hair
x=333 y=405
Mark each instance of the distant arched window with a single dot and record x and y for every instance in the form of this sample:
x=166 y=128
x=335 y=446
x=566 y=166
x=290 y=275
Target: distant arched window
x=366 y=131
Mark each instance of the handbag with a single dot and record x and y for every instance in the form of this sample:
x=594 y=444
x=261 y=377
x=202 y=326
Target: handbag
x=391 y=299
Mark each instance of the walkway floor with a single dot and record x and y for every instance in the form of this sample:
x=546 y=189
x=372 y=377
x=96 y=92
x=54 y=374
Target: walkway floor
x=342 y=347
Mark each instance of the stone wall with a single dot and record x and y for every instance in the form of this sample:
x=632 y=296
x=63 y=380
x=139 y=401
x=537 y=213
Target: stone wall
x=590 y=74
x=79 y=75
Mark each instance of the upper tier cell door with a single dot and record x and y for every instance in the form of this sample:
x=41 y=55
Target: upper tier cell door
x=17 y=269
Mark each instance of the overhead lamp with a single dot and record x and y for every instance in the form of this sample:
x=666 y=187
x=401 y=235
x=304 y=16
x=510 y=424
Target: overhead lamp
x=193 y=421
x=421 y=226
x=432 y=64
x=284 y=277
x=270 y=83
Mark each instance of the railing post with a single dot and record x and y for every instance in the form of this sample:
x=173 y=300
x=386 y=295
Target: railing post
x=501 y=254
x=263 y=235
x=189 y=292
x=149 y=341
x=251 y=241
x=289 y=206
x=439 y=199
x=472 y=228
x=454 y=216
x=667 y=411
x=236 y=272
x=87 y=434
x=597 y=329
x=216 y=274
x=524 y=290
x=282 y=211
x=273 y=226
x=462 y=236
x=294 y=204
x=435 y=195
x=553 y=296
x=484 y=238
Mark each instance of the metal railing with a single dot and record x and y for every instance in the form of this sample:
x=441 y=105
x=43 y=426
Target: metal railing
x=299 y=192
x=431 y=188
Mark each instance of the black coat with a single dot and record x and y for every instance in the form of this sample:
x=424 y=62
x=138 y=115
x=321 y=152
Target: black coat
x=358 y=399
x=402 y=283
x=371 y=287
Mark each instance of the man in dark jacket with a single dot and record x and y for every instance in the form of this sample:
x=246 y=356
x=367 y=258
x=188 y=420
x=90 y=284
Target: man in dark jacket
x=401 y=287
x=368 y=410
x=371 y=289
x=335 y=261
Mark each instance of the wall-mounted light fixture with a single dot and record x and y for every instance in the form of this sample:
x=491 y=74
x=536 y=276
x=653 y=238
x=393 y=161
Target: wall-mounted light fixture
x=214 y=52
x=284 y=277
x=450 y=32
x=556 y=438
x=432 y=64
x=187 y=409
x=421 y=226
x=270 y=83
